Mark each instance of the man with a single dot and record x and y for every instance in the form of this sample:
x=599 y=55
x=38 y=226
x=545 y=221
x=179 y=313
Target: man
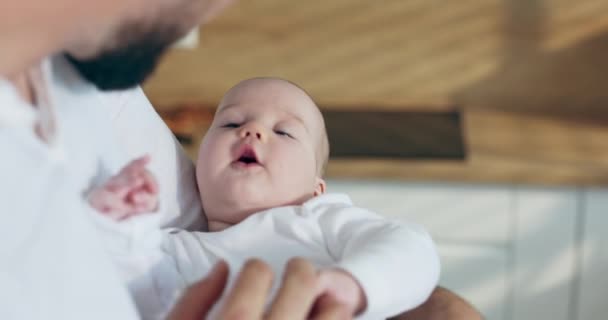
x=52 y=260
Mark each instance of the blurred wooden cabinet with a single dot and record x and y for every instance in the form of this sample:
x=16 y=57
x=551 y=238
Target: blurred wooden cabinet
x=514 y=252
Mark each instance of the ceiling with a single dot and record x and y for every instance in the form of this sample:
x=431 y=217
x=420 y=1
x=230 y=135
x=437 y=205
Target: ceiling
x=528 y=78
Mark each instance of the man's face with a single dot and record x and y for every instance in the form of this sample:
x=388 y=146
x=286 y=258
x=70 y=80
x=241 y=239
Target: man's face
x=128 y=64
x=131 y=49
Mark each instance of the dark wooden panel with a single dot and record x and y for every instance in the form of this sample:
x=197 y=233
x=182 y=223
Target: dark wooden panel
x=501 y=147
x=399 y=135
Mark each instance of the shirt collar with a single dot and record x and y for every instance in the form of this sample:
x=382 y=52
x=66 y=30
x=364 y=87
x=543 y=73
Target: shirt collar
x=15 y=112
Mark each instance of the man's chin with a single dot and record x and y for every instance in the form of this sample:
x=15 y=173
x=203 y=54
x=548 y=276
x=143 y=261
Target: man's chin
x=131 y=61
x=116 y=71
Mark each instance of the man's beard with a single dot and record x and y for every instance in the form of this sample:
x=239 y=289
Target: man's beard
x=130 y=63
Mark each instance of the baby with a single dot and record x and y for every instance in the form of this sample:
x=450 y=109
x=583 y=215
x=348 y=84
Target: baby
x=259 y=173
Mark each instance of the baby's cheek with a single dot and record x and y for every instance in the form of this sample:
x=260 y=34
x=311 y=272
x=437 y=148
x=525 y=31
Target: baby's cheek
x=302 y=172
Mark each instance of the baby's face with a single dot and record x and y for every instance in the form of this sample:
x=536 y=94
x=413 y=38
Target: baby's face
x=260 y=151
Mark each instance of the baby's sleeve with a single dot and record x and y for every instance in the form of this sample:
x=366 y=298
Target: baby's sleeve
x=395 y=263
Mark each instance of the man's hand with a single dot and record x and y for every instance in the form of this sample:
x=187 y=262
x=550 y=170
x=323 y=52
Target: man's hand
x=247 y=300
x=198 y=299
x=132 y=191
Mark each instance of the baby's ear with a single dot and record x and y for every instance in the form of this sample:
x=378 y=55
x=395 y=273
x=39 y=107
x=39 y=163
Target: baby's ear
x=320 y=186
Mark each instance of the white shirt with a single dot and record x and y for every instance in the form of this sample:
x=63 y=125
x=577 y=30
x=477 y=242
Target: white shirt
x=52 y=262
x=395 y=263
x=106 y=130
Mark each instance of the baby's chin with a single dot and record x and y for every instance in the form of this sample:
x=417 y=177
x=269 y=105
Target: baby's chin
x=238 y=197
x=232 y=211
x=233 y=200
x=249 y=203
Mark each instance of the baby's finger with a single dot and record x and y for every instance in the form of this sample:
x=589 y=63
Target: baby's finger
x=122 y=185
x=141 y=161
x=143 y=201
x=136 y=166
x=149 y=182
x=98 y=199
x=118 y=211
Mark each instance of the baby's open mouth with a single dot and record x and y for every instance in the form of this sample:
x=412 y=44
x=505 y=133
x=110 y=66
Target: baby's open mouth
x=248 y=156
x=248 y=159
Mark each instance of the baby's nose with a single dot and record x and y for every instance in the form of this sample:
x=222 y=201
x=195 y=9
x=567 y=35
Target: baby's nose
x=252 y=131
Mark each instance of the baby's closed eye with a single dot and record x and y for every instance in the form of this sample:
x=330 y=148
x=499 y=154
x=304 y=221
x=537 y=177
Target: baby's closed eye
x=283 y=133
x=231 y=125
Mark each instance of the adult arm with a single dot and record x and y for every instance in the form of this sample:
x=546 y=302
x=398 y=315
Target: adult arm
x=442 y=305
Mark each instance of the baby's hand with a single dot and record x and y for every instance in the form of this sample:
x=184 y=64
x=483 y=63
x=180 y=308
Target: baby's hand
x=339 y=286
x=132 y=191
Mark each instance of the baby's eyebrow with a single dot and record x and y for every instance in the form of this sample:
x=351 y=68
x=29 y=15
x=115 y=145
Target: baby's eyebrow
x=298 y=120
x=226 y=107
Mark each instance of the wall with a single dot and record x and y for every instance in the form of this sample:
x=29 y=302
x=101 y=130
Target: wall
x=515 y=252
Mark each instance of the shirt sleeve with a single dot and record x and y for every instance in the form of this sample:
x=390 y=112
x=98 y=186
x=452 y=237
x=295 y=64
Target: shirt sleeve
x=396 y=263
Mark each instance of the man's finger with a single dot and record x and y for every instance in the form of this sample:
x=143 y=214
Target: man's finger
x=198 y=299
x=331 y=309
x=298 y=291
x=328 y=308
x=248 y=296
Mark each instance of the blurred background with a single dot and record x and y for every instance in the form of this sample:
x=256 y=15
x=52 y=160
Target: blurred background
x=484 y=120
